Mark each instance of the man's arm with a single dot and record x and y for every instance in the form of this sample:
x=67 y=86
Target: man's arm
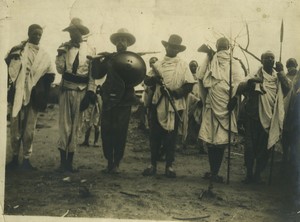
x=285 y=82
x=183 y=91
x=152 y=80
x=60 y=60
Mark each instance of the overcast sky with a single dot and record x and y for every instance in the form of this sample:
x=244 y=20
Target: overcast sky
x=197 y=21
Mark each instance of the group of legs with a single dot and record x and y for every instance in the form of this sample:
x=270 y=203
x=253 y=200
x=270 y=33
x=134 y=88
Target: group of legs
x=256 y=154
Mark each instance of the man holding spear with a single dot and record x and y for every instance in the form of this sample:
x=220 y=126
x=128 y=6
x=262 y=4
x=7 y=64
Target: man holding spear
x=264 y=107
x=216 y=75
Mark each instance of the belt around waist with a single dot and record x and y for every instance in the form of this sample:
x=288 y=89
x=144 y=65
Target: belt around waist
x=75 y=78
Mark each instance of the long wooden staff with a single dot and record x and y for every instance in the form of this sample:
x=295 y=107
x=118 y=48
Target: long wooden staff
x=273 y=148
x=229 y=117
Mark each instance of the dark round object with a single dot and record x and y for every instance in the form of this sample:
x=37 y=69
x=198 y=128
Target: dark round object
x=130 y=67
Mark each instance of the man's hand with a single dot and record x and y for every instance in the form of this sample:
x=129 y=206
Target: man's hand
x=232 y=103
x=200 y=104
x=61 y=51
x=88 y=98
x=157 y=79
x=49 y=78
x=172 y=93
x=254 y=79
x=278 y=67
x=175 y=94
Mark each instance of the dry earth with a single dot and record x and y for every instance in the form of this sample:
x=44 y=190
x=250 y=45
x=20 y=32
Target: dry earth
x=129 y=195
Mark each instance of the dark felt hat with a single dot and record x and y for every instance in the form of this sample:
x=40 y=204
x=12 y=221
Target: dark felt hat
x=174 y=42
x=123 y=32
x=76 y=23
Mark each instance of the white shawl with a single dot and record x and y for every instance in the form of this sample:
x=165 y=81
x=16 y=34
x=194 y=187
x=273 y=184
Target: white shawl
x=271 y=107
x=18 y=69
x=175 y=73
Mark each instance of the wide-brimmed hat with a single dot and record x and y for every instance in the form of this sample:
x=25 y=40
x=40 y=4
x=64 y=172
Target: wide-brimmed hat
x=122 y=33
x=175 y=42
x=76 y=23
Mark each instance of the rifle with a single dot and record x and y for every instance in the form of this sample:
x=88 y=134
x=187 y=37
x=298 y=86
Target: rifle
x=207 y=49
x=146 y=53
x=167 y=93
x=103 y=55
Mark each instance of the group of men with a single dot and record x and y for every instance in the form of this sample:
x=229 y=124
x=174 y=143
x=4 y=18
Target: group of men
x=29 y=69
x=172 y=84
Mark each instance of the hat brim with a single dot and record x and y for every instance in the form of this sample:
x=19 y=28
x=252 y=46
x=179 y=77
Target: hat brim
x=82 y=29
x=180 y=48
x=130 y=38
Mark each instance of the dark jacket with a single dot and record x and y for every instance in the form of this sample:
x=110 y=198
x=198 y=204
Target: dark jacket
x=114 y=90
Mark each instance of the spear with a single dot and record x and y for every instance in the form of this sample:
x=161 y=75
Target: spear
x=281 y=39
x=273 y=148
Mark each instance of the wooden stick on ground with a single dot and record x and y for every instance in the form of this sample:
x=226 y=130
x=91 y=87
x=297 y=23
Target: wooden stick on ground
x=129 y=194
x=65 y=214
x=191 y=218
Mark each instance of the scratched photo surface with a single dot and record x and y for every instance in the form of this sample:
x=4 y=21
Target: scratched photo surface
x=252 y=27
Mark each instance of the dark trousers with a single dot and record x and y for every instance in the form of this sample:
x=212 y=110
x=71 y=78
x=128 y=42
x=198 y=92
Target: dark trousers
x=114 y=127
x=159 y=136
x=215 y=157
x=256 y=142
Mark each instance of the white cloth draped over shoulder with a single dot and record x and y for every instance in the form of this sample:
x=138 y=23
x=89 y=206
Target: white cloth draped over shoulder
x=271 y=107
x=192 y=109
x=175 y=72
x=25 y=72
x=215 y=78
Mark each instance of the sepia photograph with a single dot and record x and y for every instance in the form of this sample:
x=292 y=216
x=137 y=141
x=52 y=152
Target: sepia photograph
x=150 y=110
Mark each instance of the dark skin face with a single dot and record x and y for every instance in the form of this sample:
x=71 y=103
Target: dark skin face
x=151 y=62
x=268 y=60
x=121 y=44
x=35 y=36
x=171 y=51
x=193 y=67
x=75 y=36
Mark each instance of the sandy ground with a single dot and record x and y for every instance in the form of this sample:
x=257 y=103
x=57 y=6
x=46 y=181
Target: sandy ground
x=129 y=195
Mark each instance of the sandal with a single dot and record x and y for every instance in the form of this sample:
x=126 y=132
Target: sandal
x=207 y=176
x=149 y=171
x=170 y=173
x=247 y=180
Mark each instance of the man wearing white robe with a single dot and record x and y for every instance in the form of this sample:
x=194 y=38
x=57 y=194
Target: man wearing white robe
x=264 y=107
x=192 y=115
x=27 y=64
x=215 y=76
